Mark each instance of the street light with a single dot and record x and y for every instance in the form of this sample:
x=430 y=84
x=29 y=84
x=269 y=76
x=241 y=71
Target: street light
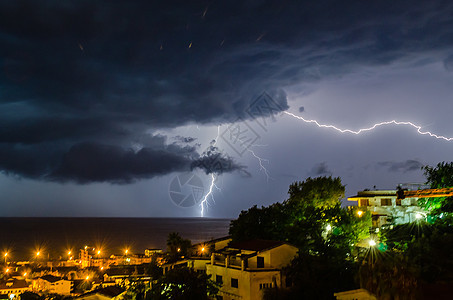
x=126 y=251
x=372 y=243
x=359 y=213
x=6 y=254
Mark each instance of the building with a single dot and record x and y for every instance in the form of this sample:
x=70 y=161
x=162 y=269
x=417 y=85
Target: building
x=359 y=294
x=384 y=206
x=201 y=252
x=153 y=251
x=52 y=285
x=14 y=287
x=245 y=269
x=106 y=293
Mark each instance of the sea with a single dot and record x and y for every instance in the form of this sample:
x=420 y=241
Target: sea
x=21 y=238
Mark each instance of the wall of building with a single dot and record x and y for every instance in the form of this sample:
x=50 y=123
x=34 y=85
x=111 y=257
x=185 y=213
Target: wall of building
x=248 y=281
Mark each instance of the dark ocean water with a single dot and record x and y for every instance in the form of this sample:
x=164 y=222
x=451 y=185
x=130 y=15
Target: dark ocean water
x=54 y=236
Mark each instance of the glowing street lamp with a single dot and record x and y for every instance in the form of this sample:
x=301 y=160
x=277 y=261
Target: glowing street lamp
x=6 y=255
x=372 y=243
x=179 y=249
x=359 y=213
x=38 y=253
x=126 y=251
x=418 y=216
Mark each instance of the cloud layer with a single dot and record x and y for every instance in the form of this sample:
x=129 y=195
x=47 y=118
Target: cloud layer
x=82 y=81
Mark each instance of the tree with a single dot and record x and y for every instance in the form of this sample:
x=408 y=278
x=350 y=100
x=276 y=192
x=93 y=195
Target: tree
x=184 y=283
x=438 y=177
x=177 y=247
x=325 y=233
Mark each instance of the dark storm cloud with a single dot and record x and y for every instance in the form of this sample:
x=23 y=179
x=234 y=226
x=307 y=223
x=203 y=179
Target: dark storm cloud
x=404 y=166
x=86 y=163
x=213 y=160
x=320 y=169
x=94 y=162
x=81 y=75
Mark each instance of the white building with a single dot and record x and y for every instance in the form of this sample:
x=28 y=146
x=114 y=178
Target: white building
x=359 y=294
x=245 y=269
x=14 y=287
x=52 y=285
x=384 y=204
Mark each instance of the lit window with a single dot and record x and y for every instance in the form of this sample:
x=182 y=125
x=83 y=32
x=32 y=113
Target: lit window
x=364 y=202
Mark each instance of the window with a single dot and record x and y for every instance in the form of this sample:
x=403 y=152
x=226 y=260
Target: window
x=260 y=262
x=219 y=279
x=364 y=202
x=234 y=282
x=386 y=202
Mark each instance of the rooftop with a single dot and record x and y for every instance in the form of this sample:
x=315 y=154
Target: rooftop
x=256 y=245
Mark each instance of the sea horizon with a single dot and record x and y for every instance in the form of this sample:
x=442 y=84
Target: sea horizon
x=54 y=236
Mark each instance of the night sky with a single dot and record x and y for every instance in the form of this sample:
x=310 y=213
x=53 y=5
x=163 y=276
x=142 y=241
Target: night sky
x=104 y=104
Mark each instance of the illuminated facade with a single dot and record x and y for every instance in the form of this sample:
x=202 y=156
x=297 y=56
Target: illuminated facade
x=247 y=268
x=385 y=205
x=52 y=284
x=14 y=287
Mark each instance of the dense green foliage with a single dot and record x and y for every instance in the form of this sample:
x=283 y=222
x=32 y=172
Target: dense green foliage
x=438 y=177
x=313 y=220
x=418 y=260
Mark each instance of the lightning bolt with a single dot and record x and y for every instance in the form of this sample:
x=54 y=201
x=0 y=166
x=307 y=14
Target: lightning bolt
x=204 y=202
x=260 y=161
x=419 y=128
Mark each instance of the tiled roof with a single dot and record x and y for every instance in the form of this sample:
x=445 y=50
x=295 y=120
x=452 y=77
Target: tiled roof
x=110 y=291
x=51 y=278
x=256 y=245
x=14 y=284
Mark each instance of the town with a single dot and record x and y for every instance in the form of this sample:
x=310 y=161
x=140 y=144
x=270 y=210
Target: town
x=238 y=268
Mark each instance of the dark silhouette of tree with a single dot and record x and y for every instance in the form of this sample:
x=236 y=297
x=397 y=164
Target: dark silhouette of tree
x=177 y=247
x=184 y=283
